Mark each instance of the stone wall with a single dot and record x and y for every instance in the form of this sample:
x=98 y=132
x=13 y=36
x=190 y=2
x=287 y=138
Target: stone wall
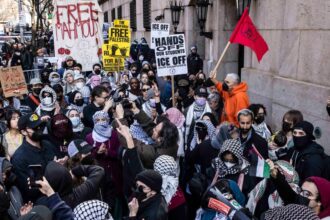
x=294 y=74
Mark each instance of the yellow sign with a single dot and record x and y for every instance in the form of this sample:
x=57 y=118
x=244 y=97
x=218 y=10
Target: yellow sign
x=111 y=63
x=120 y=39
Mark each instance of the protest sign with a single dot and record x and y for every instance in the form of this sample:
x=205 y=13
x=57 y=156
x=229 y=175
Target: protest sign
x=158 y=30
x=111 y=63
x=77 y=27
x=13 y=81
x=171 y=56
x=120 y=39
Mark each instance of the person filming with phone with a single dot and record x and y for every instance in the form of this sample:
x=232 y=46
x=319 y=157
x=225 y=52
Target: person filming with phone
x=33 y=151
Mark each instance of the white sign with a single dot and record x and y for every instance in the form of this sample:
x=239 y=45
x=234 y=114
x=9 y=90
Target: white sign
x=77 y=27
x=171 y=56
x=158 y=30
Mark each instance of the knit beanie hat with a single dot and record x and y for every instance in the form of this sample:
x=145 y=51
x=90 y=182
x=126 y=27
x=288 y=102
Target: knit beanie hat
x=166 y=165
x=323 y=186
x=175 y=116
x=292 y=211
x=151 y=178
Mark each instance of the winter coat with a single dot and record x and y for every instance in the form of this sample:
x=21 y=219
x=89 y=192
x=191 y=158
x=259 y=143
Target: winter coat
x=234 y=101
x=309 y=161
x=61 y=181
x=195 y=63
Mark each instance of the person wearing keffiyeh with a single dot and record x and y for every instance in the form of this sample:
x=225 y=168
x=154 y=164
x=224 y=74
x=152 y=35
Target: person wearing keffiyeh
x=92 y=210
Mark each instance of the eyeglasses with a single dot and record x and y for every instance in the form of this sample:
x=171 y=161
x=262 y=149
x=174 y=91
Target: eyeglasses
x=144 y=90
x=106 y=98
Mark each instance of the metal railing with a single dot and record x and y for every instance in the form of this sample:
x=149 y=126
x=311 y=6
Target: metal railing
x=30 y=74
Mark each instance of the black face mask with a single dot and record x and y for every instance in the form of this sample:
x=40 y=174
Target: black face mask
x=79 y=102
x=286 y=127
x=97 y=71
x=88 y=160
x=37 y=135
x=300 y=142
x=200 y=81
x=151 y=78
x=259 y=119
x=225 y=86
x=59 y=97
x=37 y=90
x=183 y=92
x=139 y=194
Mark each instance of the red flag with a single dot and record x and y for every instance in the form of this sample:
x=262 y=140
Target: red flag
x=245 y=33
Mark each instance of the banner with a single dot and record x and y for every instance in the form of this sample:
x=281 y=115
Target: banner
x=171 y=56
x=13 y=81
x=158 y=30
x=77 y=27
x=120 y=39
x=110 y=63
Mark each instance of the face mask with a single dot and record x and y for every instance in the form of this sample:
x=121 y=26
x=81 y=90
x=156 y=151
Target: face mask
x=75 y=121
x=152 y=78
x=225 y=87
x=97 y=71
x=200 y=81
x=202 y=134
x=76 y=72
x=37 y=136
x=259 y=119
x=300 y=142
x=183 y=92
x=139 y=194
x=79 y=102
x=152 y=103
x=286 y=127
x=54 y=80
x=88 y=160
x=37 y=90
x=141 y=57
x=229 y=164
x=80 y=85
x=59 y=97
x=47 y=100
x=200 y=101
x=111 y=78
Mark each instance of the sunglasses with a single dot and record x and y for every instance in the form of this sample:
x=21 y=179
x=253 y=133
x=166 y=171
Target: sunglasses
x=145 y=90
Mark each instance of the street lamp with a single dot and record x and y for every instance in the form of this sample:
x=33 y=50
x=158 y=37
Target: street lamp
x=202 y=7
x=176 y=8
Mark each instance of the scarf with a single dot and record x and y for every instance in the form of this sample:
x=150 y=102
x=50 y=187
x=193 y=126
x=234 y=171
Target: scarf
x=169 y=187
x=101 y=133
x=139 y=134
x=274 y=200
x=262 y=130
x=92 y=209
x=210 y=132
x=198 y=111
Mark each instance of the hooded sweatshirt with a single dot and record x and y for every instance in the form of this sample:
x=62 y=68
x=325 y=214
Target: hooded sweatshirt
x=45 y=108
x=234 y=101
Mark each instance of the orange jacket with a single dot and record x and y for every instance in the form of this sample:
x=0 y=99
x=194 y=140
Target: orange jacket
x=234 y=101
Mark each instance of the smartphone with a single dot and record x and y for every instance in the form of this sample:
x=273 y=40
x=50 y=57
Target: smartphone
x=35 y=173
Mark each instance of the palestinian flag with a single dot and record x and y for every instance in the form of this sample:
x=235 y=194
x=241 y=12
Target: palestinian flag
x=259 y=167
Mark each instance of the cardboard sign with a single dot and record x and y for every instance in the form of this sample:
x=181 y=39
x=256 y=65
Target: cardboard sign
x=77 y=27
x=13 y=81
x=171 y=56
x=158 y=30
x=120 y=39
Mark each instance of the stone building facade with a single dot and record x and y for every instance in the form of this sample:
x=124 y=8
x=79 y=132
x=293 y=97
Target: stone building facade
x=294 y=74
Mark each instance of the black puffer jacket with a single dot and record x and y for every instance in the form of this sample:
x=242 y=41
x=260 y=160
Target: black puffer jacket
x=309 y=161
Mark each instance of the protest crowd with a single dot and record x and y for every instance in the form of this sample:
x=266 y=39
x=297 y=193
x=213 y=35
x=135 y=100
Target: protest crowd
x=105 y=144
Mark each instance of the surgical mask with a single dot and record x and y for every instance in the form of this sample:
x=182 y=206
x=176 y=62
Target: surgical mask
x=75 y=121
x=200 y=101
x=47 y=100
x=229 y=164
x=300 y=142
x=225 y=86
x=76 y=72
x=54 y=80
x=141 y=57
x=80 y=85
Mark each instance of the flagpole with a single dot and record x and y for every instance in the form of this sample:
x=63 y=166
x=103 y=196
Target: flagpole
x=173 y=100
x=220 y=59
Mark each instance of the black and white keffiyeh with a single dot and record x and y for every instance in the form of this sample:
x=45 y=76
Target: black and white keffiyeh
x=233 y=146
x=92 y=210
x=168 y=169
x=292 y=211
